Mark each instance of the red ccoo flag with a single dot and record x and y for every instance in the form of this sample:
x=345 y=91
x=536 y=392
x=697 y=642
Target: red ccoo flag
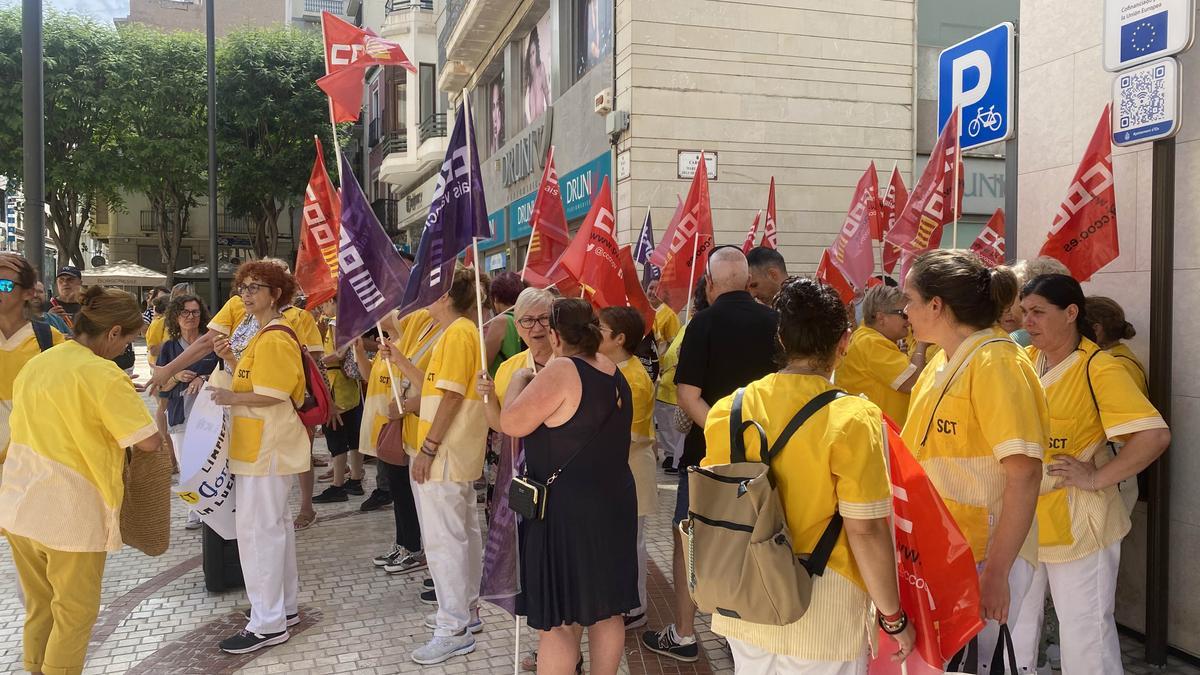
x=349 y=51
x=770 y=228
x=1084 y=232
x=752 y=234
x=550 y=236
x=658 y=257
x=990 y=242
x=635 y=296
x=688 y=242
x=930 y=206
x=317 y=259
x=852 y=251
x=593 y=257
x=891 y=203
x=828 y=274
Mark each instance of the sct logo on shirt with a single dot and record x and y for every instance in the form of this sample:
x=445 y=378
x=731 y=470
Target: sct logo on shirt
x=947 y=427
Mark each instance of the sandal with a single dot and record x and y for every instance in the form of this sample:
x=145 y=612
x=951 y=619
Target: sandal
x=325 y=477
x=529 y=663
x=304 y=521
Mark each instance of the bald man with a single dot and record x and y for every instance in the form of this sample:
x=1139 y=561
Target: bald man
x=728 y=345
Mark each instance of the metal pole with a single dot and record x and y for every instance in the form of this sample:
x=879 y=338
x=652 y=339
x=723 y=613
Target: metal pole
x=1010 y=159
x=1158 y=484
x=214 y=293
x=33 y=112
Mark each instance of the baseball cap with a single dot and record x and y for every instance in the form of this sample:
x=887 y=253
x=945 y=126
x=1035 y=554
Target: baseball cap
x=69 y=271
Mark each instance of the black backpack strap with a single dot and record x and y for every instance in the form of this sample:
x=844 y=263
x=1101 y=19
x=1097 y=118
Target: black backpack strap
x=1087 y=370
x=737 y=447
x=815 y=404
x=45 y=338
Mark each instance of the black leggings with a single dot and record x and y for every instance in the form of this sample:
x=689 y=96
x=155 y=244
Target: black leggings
x=404 y=507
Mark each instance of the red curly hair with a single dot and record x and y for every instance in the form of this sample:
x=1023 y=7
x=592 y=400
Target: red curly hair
x=270 y=274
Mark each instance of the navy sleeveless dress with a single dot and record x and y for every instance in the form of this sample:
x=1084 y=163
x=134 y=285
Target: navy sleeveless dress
x=579 y=564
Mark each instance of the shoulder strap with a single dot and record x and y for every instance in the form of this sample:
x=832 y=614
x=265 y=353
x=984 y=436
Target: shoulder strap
x=612 y=411
x=737 y=447
x=1087 y=371
x=811 y=408
x=952 y=378
x=41 y=330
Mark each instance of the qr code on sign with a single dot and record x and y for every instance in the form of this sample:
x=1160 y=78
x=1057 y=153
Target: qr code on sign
x=1145 y=97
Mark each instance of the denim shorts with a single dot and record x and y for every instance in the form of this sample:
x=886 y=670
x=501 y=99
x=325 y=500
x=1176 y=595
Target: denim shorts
x=681 y=497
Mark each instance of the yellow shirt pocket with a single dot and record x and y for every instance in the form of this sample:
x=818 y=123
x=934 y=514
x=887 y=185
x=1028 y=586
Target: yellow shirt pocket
x=1054 y=519
x=975 y=523
x=246 y=439
x=949 y=434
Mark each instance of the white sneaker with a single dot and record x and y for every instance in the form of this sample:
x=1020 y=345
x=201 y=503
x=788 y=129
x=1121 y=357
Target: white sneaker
x=193 y=521
x=475 y=626
x=442 y=648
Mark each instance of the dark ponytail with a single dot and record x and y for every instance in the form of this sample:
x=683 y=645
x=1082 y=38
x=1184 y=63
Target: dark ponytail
x=1111 y=317
x=1062 y=291
x=576 y=324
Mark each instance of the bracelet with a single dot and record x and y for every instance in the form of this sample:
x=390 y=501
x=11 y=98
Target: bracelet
x=894 y=627
x=432 y=443
x=891 y=618
x=431 y=452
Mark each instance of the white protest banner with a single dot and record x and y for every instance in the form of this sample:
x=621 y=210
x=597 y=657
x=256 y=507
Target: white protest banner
x=205 y=482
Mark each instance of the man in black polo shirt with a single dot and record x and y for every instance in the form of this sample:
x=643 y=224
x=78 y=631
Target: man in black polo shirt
x=728 y=345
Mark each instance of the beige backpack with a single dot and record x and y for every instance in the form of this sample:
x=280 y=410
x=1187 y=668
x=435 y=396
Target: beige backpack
x=738 y=550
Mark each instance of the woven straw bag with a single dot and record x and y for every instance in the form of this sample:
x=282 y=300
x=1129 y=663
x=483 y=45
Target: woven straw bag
x=146 y=510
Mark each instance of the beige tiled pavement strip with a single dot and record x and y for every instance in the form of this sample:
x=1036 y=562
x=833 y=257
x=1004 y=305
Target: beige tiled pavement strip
x=157 y=618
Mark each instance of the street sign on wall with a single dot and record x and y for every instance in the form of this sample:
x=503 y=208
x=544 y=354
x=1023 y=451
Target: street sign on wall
x=1137 y=31
x=1146 y=102
x=976 y=75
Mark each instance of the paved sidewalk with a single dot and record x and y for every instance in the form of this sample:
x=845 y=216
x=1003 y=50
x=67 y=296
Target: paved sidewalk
x=157 y=618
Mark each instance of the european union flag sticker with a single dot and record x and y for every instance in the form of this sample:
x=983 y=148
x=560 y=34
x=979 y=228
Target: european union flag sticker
x=1144 y=36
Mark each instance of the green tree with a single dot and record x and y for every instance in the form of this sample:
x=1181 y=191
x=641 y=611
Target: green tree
x=82 y=133
x=269 y=108
x=160 y=96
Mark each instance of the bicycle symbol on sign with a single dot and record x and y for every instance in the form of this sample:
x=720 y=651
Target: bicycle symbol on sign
x=985 y=119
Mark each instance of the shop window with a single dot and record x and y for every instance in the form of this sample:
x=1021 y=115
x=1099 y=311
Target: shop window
x=593 y=33
x=428 y=83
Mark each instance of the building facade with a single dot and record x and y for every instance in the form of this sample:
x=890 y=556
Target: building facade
x=1064 y=89
x=189 y=15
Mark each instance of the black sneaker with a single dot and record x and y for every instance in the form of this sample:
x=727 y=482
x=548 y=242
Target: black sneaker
x=427 y=584
x=635 y=621
x=668 y=462
x=429 y=597
x=332 y=494
x=666 y=643
x=390 y=557
x=377 y=500
x=353 y=487
x=244 y=642
x=671 y=470
x=292 y=619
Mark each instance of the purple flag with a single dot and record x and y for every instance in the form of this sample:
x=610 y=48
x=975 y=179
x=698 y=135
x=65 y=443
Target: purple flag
x=501 y=552
x=642 y=251
x=458 y=213
x=371 y=274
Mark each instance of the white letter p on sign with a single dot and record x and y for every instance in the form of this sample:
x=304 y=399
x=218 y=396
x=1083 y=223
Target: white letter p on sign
x=979 y=61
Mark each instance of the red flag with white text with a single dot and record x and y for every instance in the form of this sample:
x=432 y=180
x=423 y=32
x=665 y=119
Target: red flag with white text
x=930 y=206
x=990 y=242
x=658 y=257
x=830 y=275
x=751 y=234
x=891 y=203
x=348 y=46
x=939 y=585
x=770 y=227
x=1083 y=234
x=593 y=257
x=317 y=259
x=687 y=242
x=550 y=236
x=852 y=251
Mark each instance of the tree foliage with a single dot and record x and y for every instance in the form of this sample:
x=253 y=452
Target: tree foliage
x=82 y=133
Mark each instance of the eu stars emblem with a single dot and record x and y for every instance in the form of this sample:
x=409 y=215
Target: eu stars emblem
x=1144 y=36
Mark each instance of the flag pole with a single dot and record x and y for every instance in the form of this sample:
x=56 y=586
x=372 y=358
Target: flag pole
x=687 y=311
x=957 y=166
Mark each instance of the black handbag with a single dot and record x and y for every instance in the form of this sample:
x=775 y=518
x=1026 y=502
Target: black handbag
x=967 y=659
x=527 y=497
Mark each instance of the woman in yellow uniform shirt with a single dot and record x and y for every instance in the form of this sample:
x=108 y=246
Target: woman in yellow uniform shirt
x=833 y=464
x=1108 y=321
x=978 y=423
x=18 y=341
x=622 y=328
x=1082 y=519
x=874 y=365
x=268 y=446
x=74 y=412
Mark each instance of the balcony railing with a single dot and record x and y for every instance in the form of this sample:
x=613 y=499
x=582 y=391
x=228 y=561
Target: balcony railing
x=388 y=213
x=403 y=5
x=227 y=224
x=454 y=11
x=434 y=126
x=394 y=141
x=150 y=222
x=332 y=6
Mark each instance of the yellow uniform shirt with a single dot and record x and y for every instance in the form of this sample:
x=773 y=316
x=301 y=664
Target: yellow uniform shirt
x=993 y=407
x=667 y=362
x=834 y=462
x=302 y=322
x=666 y=323
x=642 y=461
x=504 y=374
x=876 y=367
x=1133 y=365
x=1082 y=522
x=156 y=332
x=417 y=334
x=73 y=415
x=15 y=352
x=454 y=366
x=269 y=440
x=346 y=392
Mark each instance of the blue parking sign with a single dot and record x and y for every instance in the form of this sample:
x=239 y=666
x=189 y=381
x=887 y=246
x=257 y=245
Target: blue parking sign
x=977 y=76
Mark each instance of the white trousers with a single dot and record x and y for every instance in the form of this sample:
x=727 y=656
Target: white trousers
x=642 y=556
x=453 y=549
x=751 y=660
x=1021 y=609
x=267 y=550
x=670 y=439
x=1084 y=593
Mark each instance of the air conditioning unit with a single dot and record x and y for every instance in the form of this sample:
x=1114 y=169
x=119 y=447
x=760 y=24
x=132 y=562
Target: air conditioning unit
x=604 y=102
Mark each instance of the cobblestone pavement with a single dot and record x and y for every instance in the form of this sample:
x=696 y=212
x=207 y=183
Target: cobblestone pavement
x=157 y=617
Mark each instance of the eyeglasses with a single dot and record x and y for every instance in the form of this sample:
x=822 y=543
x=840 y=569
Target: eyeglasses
x=190 y=313
x=898 y=312
x=7 y=285
x=251 y=289
x=528 y=322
